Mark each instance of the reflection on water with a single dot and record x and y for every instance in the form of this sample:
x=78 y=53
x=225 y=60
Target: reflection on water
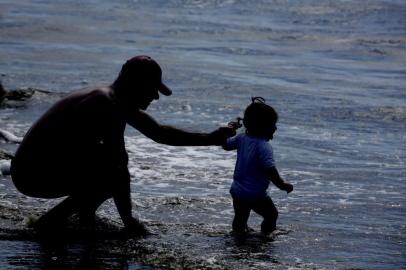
x=57 y=255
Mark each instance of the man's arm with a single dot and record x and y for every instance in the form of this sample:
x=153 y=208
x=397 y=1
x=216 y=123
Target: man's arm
x=174 y=136
x=278 y=181
x=122 y=199
x=122 y=196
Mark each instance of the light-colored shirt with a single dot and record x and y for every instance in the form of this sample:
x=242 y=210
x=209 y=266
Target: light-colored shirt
x=254 y=157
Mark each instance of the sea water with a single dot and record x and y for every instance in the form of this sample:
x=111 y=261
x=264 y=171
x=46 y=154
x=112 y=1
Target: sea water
x=334 y=70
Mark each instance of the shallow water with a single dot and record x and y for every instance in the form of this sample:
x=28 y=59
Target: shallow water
x=334 y=70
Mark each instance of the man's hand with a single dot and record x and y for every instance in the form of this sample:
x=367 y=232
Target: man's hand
x=220 y=135
x=235 y=124
x=288 y=187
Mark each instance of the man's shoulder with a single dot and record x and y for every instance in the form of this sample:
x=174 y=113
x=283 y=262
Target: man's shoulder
x=100 y=93
x=87 y=100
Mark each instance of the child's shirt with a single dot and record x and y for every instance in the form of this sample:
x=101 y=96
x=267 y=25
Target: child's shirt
x=254 y=157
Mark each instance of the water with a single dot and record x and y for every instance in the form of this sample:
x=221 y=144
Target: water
x=334 y=70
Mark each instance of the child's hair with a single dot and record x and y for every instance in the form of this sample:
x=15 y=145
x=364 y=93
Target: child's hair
x=258 y=116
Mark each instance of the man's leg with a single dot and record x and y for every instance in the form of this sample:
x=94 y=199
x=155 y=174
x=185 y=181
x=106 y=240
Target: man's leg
x=88 y=205
x=85 y=206
x=266 y=208
x=57 y=216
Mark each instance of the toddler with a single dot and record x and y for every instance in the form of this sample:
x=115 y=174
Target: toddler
x=255 y=168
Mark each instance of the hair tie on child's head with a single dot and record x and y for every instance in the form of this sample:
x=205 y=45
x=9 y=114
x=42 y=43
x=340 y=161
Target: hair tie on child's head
x=258 y=99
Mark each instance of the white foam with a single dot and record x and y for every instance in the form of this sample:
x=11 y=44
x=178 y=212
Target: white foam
x=302 y=173
x=200 y=170
x=344 y=201
x=10 y=137
x=4 y=167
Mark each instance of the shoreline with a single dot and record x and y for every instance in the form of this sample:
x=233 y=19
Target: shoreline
x=171 y=245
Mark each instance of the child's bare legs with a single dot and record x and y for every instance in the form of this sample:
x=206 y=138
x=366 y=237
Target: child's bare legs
x=241 y=214
x=266 y=208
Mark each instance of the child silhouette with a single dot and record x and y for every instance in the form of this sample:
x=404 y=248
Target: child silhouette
x=255 y=168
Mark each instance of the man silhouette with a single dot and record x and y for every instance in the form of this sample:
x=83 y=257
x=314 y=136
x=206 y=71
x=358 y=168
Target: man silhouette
x=76 y=148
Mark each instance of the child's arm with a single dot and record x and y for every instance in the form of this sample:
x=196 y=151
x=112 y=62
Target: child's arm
x=278 y=181
x=231 y=143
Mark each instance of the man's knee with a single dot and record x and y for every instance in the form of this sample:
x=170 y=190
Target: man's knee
x=28 y=186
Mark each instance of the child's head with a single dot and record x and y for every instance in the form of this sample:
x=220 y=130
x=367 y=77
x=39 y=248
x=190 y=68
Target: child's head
x=260 y=119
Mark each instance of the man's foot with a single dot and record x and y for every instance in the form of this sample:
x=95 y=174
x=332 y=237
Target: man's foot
x=56 y=218
x=136 y=228
x=47 y=222
x=48 y=228
x=87 y=221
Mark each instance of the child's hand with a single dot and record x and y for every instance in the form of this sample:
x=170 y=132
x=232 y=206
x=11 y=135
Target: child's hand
x=288 y=187
x=220 y=135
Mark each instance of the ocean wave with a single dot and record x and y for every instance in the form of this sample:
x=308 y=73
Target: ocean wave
x=378 y=113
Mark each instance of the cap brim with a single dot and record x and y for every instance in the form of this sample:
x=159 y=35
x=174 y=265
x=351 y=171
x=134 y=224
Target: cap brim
x=165 y=90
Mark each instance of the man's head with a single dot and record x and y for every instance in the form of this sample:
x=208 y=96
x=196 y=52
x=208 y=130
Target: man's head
x=139 y=81
x=260 y=119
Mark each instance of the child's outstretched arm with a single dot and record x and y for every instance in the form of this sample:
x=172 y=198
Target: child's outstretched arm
x=278 y=181
x=231 y=143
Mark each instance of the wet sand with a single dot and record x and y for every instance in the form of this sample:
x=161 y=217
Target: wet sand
x=170 y=246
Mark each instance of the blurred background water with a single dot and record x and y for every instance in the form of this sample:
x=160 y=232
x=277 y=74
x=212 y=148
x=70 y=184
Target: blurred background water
x=334 y=70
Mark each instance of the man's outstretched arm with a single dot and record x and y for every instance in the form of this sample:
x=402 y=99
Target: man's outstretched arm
x=174 y=136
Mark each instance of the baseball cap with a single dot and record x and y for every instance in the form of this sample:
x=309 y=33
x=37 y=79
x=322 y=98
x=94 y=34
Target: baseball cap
x=146 y=68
